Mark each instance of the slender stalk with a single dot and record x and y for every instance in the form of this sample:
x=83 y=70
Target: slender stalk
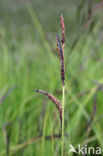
x=63 y=105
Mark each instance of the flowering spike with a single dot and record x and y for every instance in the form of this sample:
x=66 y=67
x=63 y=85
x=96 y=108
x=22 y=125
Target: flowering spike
x=63 y=29
x=54 y=100
x=61 y=59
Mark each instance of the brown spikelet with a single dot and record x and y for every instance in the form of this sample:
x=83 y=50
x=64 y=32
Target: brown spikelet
x=54 y=100
x=61 y=59
x=63 y=29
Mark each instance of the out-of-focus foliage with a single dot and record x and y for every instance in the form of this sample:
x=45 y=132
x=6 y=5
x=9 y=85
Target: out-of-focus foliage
x=28 y=61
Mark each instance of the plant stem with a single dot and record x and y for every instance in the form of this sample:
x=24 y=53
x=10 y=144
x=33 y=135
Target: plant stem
x=63 y=106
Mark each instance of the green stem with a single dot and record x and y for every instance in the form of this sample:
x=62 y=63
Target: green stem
x=63 y=106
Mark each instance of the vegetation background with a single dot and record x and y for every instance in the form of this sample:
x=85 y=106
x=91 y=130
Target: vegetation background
x=29 y=61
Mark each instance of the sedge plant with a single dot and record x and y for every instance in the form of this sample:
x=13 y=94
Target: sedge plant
x=60 y=107
x=61 y=54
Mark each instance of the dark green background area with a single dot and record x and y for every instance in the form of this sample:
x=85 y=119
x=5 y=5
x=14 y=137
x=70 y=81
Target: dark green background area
x=29 y=61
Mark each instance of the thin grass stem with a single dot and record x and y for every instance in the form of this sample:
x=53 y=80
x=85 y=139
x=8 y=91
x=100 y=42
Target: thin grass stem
x=63 y=106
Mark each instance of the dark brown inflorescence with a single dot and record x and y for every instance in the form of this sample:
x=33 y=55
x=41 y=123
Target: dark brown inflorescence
x=61 y=59
x=63 y=29
x=54 y=100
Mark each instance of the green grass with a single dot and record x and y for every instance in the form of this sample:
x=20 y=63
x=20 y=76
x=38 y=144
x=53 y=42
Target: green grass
x=28 y=61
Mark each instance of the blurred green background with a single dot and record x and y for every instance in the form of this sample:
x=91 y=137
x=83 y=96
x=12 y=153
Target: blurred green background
x=29 y=61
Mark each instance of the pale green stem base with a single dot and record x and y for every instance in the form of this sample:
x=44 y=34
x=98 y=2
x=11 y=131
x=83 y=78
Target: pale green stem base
x=63 y=106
